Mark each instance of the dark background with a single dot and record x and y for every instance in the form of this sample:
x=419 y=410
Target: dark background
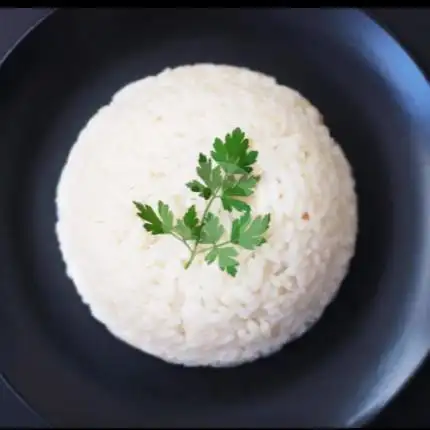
x=411 y=26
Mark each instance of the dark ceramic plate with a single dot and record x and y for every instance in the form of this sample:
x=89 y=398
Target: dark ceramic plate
x=370 y=340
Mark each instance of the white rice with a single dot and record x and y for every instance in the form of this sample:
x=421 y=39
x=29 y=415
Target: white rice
x=144 y=146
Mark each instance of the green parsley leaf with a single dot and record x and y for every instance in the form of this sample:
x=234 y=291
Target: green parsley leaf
x=226 y=257
x=188 y=226
x=248 y=233
x=200 y=189
x=229 y=204
x=232 y=154
x=166 y=215
x=226 y=176
x=152 y=222
x=190 y=218
x=211 y=177
x=243 y=187
x=212 y=230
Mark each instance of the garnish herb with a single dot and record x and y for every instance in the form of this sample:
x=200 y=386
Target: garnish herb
x=226 y=175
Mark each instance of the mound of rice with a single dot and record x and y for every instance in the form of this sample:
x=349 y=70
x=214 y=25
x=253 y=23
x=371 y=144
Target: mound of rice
x=143 y=146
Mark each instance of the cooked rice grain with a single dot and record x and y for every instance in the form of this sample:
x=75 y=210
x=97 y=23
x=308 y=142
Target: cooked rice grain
x=144 y=146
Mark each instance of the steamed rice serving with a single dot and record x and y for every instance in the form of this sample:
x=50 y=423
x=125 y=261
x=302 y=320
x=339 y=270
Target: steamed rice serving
x=143 y=146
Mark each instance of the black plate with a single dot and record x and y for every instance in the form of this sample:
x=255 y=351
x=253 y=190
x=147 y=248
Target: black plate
x=371 y=338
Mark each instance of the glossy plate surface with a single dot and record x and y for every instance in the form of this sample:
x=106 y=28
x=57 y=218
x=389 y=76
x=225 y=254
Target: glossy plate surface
x=370 y=340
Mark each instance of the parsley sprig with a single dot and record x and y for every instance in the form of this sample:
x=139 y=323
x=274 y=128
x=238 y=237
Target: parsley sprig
x=226 y=175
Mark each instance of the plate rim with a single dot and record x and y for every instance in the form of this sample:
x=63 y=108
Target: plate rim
x=356 y=421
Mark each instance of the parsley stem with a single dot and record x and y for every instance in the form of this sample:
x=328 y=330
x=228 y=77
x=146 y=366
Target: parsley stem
x=194 y=251
x=227 y=242
x=225 y=175
x=181 y=240
x=205 y=213
x=191 y=259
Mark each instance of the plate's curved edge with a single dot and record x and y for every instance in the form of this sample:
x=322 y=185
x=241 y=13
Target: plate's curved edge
x=22 y=401
x=399 y=40
x=25 y=34
x=357 y=421
x=3 y=378
x=403 y=48
x=371 y=413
